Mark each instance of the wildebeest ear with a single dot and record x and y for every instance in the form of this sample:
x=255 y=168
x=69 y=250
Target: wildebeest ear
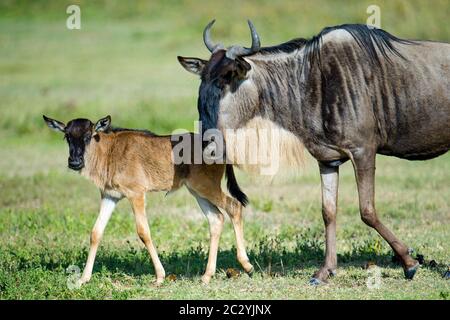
x=194 y=65
x=54 y=124
x=103 y=124
x=242 y=67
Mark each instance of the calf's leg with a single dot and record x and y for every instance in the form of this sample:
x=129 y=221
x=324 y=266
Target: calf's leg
x=143 y=230
x=234 y=211
x=208 y=188
x=106 y=209
x=215 y=220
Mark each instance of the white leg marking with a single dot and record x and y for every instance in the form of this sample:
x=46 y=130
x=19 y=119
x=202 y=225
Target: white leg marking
x=106 y=209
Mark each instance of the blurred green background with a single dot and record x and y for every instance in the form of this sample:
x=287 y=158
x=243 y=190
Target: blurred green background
x=123 y=62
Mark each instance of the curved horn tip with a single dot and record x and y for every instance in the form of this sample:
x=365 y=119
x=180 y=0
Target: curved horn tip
x=252 y=26
x=207 y=38
x=209 y=25
x=256 y=42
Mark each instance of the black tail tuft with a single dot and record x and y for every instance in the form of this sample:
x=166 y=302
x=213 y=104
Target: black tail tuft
x=233 y=186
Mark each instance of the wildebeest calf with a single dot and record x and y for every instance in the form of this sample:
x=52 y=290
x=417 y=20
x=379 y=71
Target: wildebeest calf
x=125 y=163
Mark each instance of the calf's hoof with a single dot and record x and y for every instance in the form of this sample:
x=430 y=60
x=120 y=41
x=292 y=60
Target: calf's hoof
x=206 y=279
x=82 y=281
x=410 y=272
x=250 y=270
x=79 y=283
x=159 y=282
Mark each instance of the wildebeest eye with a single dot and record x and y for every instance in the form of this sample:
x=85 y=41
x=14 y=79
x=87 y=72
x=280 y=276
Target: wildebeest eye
x=87 y=139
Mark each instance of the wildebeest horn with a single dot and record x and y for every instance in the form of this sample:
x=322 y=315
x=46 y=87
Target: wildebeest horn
x=237 y=51
x=256 y=43
x=207 y=38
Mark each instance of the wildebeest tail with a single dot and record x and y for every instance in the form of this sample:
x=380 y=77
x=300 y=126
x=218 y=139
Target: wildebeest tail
x=233 y=186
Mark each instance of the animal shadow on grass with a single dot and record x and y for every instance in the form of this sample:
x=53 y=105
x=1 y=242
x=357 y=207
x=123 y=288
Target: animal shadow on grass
x=270 y=257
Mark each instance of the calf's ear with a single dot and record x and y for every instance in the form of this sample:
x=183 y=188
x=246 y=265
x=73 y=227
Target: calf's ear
x=103 y=124
x=54 y=124
x=193 y=65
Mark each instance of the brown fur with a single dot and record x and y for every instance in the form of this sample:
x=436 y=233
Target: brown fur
x=132 y=163
x=128 y=163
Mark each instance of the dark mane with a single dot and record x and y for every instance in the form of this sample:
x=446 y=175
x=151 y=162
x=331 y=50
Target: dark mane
x=285 y=47
x=118 y=129
x=369 y=39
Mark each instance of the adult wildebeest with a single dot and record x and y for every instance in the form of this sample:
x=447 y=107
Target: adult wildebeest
x=348 y=93
x=126 y=163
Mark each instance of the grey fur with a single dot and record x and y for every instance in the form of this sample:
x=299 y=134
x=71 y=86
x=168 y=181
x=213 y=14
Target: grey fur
x=349 y=93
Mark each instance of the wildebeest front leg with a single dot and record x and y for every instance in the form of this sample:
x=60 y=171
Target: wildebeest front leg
x=106 y=208
x=364 y=165
x=329 y=177
x=143 y=230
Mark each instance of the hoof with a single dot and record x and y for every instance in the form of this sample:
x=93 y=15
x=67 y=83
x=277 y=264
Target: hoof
x=79 y=283
x=250 y=272
x=409 y=273
x=447 y=274
x=314 y=282
x=82 y=281
x=158 y=283
x=205 y=280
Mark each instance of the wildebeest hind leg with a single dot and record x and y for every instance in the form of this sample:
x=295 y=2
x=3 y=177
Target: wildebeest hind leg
x=364 y=165
x=330 y=179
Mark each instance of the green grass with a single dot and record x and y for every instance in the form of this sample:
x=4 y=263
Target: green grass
x=123 y=63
